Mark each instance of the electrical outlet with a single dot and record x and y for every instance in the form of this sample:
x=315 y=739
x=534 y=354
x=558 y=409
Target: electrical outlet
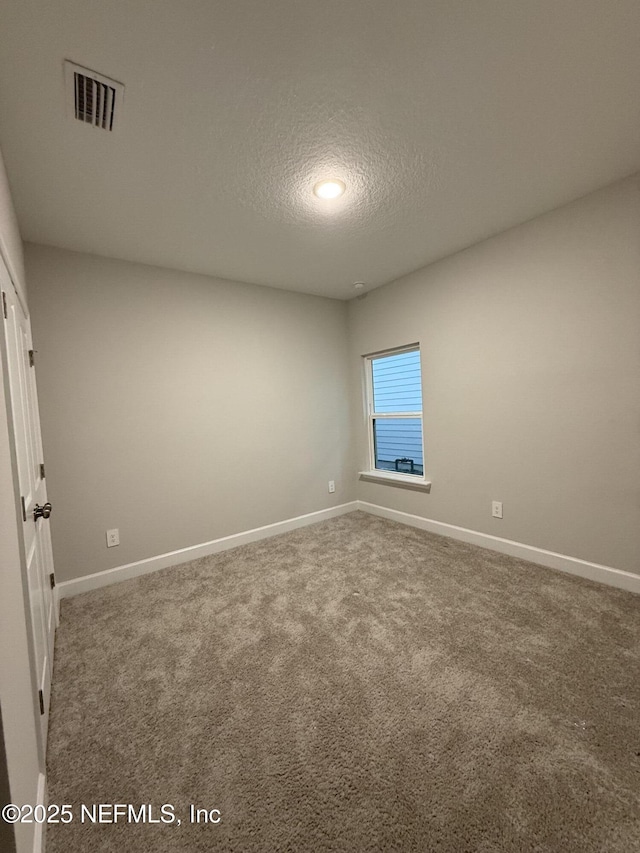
x=496 y=509
x=113 y=537
x=332 y=486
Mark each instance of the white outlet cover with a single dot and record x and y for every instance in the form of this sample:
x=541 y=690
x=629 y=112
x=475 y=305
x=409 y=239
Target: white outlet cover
x=113 y=537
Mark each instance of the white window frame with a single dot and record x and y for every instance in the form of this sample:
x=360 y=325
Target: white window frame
x=379 y=474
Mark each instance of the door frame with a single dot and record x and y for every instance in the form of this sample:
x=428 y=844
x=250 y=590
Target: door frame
x=18 y=550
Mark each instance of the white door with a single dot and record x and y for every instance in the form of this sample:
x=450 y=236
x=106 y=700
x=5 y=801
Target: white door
x=33 y=490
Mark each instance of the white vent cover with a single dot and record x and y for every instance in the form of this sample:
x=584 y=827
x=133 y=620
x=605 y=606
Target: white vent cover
x=91 y=98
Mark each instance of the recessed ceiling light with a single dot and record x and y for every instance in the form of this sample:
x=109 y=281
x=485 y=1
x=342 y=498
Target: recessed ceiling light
x=329 y=189
x=359 y=285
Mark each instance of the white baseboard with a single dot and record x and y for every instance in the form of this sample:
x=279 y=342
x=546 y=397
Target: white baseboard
x=184 y=555
x=39 y=835
x=592 y=571
x=572 y=565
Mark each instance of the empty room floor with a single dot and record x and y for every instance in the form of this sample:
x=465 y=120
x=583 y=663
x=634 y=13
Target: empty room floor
x=354 y=685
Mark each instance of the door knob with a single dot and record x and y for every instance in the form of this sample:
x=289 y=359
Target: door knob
x=43 y=511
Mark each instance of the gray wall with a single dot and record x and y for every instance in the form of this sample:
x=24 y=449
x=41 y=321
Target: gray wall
x=531 y=380
x=180 y=408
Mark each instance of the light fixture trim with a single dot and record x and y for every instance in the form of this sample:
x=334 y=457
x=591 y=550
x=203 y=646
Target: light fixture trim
x=330 y=188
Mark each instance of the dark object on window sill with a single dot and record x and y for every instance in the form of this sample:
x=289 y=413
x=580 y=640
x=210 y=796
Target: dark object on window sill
x=404 y=461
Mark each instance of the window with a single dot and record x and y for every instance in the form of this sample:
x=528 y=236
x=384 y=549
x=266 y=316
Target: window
x=394 y=398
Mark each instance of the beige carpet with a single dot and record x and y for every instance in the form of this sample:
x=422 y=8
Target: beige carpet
x=356 y=685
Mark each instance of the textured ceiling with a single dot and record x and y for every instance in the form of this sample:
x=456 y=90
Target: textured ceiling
x=449 y=120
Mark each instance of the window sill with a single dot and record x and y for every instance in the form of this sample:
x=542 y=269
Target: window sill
x=402 y=481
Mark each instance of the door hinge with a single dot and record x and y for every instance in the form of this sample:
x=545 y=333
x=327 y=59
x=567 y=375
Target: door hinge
x=42 y=470
x=24 y=509
x=4 y=304
x=32 y=359
x=41 y=698
x=52 y=579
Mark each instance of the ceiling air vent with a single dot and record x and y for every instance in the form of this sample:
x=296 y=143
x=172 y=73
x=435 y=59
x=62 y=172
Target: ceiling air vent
x=91 y=98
